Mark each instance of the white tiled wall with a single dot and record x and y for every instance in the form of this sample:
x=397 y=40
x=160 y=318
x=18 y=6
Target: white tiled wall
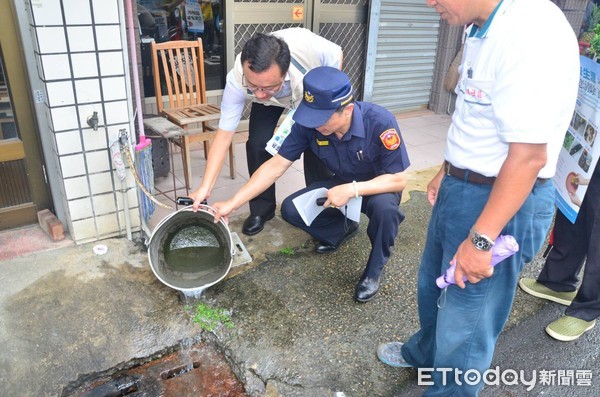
x=64 y=118
x=68 y=142
x=84 y=229
x=92 y=140
x=84 y=65
x=108 y=37
x=77 y=12
x=54 y=67
x=80 y=57
x=72 y=165
x=101 y=183
x=76 y=187
x=47 y=12
x=105 y=11
x=51 y=40
x=111 y=63
x=60 y=93
x=98 y=161
x=88 y=90
x=81 y=38
x=116 y=112
x=114 y=88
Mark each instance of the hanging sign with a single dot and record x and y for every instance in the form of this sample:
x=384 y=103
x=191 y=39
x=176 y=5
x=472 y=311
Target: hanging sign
x=193 y=17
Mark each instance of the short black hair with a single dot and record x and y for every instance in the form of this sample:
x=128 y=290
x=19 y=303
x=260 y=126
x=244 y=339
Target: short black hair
x=264 y=50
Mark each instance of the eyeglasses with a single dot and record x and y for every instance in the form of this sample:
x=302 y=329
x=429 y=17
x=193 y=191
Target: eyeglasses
x=271 y=90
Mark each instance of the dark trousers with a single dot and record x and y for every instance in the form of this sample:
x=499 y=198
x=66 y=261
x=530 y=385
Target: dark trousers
x=263 y=121
x=574 y=245
x=208 y=37
x=330 y=225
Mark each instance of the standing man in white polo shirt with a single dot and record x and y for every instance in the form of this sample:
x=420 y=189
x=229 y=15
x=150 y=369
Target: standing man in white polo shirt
x=514 y=104
x=268 y=72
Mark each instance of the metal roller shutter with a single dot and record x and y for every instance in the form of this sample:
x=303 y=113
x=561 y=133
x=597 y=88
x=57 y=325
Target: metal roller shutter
x=400 y=74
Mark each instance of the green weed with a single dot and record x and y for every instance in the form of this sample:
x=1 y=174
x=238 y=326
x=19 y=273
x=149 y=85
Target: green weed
x=208 y=318
x=287 y=251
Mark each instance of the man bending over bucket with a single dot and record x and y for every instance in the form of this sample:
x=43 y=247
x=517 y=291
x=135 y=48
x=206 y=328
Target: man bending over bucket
x=362 y=146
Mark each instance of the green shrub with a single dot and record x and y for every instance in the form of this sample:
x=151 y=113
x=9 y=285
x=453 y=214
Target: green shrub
x=595 y=42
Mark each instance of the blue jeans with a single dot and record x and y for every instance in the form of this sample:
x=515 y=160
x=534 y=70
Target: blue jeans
x=462 y=334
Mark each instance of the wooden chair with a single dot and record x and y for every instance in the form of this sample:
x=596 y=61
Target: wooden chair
x=182 y=65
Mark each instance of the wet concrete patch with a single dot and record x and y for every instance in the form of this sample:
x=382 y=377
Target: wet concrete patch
x=298 y=330
x=87 y=322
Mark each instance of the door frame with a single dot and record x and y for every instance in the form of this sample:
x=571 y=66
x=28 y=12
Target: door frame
x=314 y=14
x=28 y=146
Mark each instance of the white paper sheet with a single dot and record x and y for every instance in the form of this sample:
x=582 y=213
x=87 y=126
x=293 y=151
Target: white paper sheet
x=307 y=207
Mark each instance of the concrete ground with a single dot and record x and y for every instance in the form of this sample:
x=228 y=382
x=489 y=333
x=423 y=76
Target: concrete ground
x=68 y=315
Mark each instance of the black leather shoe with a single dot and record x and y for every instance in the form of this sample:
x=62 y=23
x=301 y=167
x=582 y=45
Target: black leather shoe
x=366 y=288
x=254 y=224
x=324 y=248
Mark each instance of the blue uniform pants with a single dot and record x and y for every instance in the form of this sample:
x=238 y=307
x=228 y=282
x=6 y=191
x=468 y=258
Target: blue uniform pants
x=461 y=335
x=329 y=226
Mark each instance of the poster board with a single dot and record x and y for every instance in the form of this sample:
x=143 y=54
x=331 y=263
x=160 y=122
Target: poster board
x=193 y=17
x=581 y=147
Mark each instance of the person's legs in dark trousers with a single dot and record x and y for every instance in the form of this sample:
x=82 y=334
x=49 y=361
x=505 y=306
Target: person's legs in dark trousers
x=586 y=305
x=561 y=270
x=574 y=244
x=332 y=227
x=208 y=38
x=384 y=219
x=263 y=120
x=331 y=224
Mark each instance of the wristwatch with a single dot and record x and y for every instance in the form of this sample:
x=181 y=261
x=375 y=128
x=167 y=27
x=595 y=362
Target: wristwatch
x=481 y=241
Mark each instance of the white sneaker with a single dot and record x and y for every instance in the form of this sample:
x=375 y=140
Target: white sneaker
x=391 y=354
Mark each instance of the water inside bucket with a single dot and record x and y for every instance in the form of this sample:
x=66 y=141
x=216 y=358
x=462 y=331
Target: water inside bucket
x=193 y=254
x=193 y=249
x=193 y=259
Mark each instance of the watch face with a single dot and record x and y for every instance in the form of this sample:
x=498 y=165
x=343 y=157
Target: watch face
x=481 y=243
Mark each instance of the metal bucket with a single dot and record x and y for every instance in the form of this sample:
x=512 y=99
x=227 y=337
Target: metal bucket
x=189 y=252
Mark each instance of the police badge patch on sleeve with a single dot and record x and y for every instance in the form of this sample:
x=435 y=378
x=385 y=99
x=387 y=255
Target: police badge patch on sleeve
x=390 y=139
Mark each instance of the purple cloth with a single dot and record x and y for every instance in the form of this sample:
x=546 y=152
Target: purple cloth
x=504 y=246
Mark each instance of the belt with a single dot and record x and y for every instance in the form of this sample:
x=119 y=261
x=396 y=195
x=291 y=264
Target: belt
x=468 y=175
x=474 y=177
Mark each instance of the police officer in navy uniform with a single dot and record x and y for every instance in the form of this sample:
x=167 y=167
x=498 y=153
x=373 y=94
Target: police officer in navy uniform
x=361 y=144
